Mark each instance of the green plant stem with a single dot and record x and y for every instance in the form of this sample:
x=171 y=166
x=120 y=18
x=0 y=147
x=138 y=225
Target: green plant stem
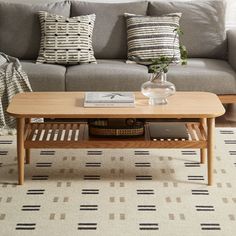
x=162 y=63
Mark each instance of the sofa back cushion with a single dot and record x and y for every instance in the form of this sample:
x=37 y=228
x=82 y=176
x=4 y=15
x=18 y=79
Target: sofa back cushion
x=203 y=24
x=20 y=27
x=110 y=37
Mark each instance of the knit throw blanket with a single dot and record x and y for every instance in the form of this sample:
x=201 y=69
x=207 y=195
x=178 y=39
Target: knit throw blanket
x=13 y=80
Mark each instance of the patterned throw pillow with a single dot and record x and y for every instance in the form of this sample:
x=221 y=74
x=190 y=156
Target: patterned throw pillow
x=66 y=40
x=150 y=37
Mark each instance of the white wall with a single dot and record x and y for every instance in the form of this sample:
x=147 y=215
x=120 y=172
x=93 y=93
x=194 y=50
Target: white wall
x=231 y=13
x=230 y=16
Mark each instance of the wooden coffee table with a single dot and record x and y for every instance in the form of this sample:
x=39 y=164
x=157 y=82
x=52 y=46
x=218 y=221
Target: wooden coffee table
x=197 y=105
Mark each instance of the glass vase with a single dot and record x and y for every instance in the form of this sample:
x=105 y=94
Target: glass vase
x=158 y=89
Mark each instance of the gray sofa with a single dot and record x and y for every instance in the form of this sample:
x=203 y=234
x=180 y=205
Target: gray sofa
x=212 y=51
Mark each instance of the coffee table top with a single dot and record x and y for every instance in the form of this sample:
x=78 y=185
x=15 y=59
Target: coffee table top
x=70 y=105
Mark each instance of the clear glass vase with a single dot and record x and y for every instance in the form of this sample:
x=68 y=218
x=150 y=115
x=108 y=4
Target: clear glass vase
x=158 y=89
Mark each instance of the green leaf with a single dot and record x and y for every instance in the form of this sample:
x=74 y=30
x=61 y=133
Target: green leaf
x=178 y=31
x=161 y=64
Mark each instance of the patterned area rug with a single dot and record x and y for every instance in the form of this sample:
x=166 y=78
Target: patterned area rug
x=119 y=192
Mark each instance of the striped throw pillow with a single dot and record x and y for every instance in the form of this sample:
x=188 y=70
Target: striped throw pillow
x=66 y=40
x=150 y=37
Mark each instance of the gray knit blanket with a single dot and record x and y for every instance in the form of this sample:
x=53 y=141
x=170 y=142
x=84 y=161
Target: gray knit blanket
x=13 y=80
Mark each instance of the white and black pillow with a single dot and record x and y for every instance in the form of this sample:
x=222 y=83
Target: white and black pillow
x=149 y=37
x=66 y=40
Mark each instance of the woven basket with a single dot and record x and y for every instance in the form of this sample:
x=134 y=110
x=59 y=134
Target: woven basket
x=103 y=128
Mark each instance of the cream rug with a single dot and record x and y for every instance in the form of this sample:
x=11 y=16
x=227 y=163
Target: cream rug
x=119 y=192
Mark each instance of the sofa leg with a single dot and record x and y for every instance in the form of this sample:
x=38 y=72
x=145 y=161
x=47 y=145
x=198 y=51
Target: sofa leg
x=230 y=114
x=27 y=156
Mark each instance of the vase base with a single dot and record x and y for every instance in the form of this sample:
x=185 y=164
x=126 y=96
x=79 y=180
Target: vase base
x=155 y=101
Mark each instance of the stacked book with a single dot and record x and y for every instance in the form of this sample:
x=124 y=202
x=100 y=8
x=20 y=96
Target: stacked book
x=109 y=99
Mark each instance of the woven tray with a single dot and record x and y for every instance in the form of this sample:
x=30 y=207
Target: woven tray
x=119 y=128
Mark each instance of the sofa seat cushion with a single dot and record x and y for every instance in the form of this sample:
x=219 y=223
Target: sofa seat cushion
x=20 y=28
x=45 y=77
x=107 y=75
x=109 y=38
x=203 y=24
x=208 y=75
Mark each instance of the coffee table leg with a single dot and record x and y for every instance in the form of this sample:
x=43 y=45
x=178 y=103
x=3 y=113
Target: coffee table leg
x=210 y=148
x=27 y=151
x=203 y=151
x=20 y=149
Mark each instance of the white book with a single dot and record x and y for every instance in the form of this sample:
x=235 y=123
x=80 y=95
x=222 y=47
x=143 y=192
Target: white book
x=109 y=99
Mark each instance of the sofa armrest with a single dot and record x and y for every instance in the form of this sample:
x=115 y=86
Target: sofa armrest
x=231 y=35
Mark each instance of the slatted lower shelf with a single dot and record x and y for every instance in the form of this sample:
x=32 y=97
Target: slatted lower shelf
x=75 y=135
